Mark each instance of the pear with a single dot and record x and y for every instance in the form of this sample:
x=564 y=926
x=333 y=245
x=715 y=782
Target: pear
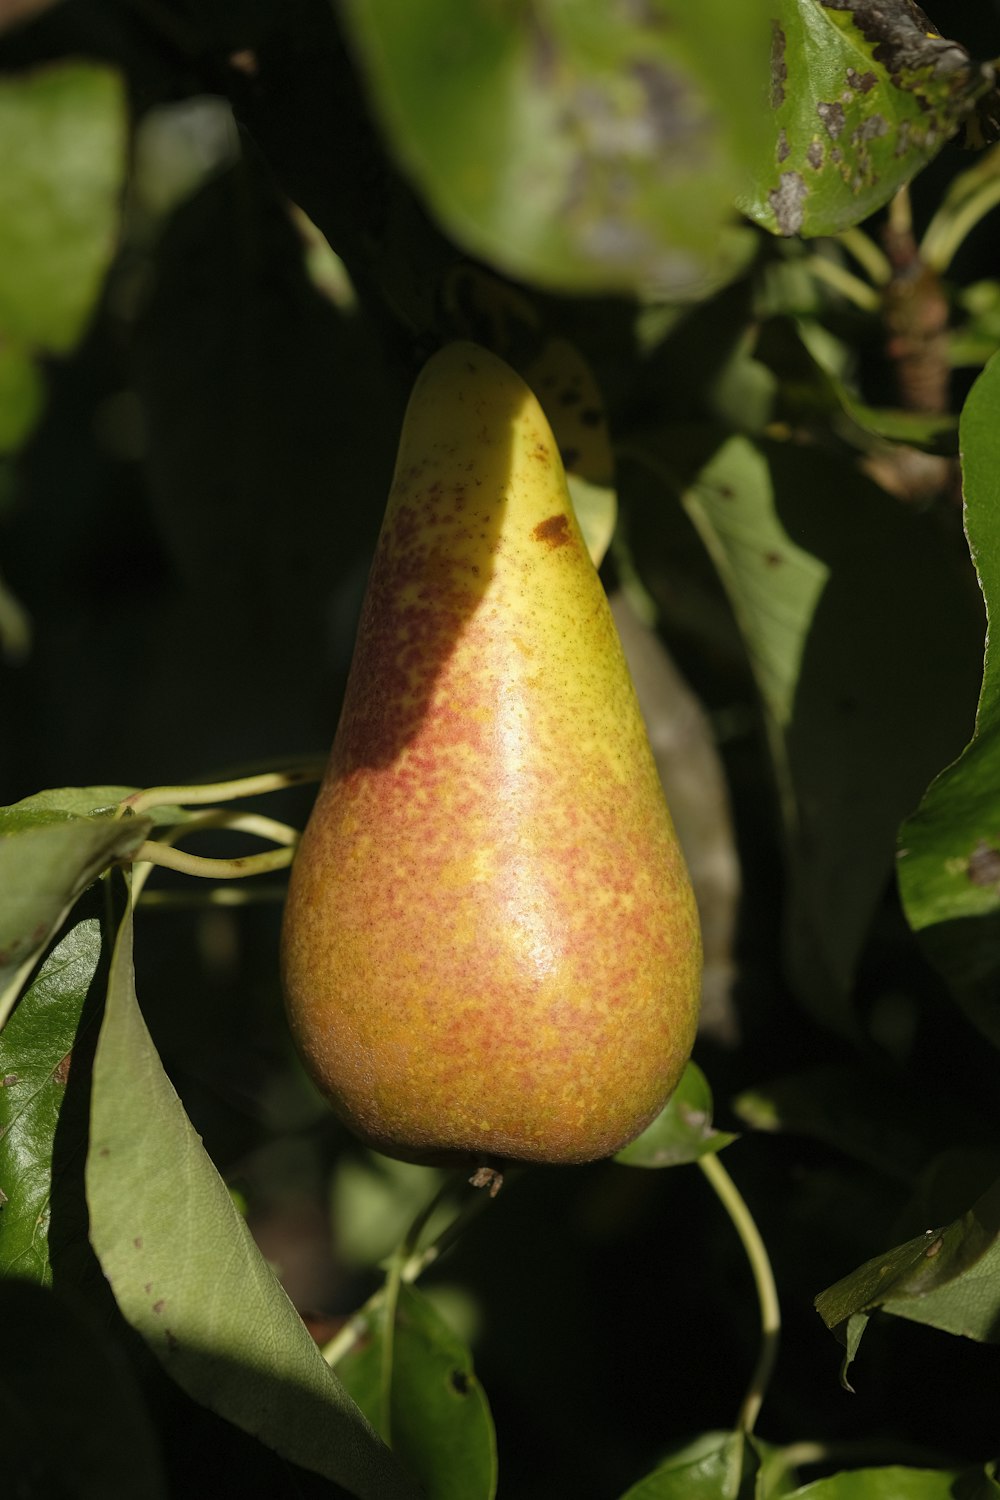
x=490 y=948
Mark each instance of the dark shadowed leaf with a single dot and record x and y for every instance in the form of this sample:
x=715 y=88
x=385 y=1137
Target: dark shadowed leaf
x=441 y=1427
x=682 y=1131
x=189 y=1278
x=872 y=1115
x=949 y=856
x=574 y=145
x=71 y=1416
x=862 y=95
x=36 y=1049
x=948 y=1277
x=846 y=657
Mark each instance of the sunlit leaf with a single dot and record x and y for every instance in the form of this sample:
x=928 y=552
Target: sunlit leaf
x=949 y=856
x=71 y=1415
x=64 y=130
x=46 y=860
x=682 y=1131
x=36 y=1049
x=189 y=1278
x=573 y=145
x=441 y=1427
x=65 y=803
x=862 y=95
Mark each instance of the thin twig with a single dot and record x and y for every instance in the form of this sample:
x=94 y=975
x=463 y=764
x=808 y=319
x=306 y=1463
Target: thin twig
x=767 y=1293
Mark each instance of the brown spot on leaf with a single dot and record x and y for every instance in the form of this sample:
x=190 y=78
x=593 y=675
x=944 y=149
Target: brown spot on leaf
x=460 y=1382
x=784 y=149
x=137 y=1242
x=9 y=1079
x=159 y=1306
x=814 y=153
x=984 y=864
x=60 y=1072
x=833 y=118
x=554 y=532
x=869 y=130
x=861 y=83
x=786 y=202
x=773 y=559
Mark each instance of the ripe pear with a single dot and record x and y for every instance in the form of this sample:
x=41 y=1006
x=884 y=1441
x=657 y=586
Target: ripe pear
x=491 y=951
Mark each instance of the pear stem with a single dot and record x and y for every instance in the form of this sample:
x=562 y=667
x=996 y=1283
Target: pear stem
x=154 y=852
x=767 y=1293
x=220 y=791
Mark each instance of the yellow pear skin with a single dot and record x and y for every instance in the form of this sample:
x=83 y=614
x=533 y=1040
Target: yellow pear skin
x=491 y=951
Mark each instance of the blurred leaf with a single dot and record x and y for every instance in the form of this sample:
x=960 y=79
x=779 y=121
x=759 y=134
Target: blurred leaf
x=946 y=1277
x=891 y=1483
x=682 y=1131
x=36 y=1048
x=949 y=856
x=442 y=1431
x=21 y=395
x=15 y=626
x=44 y=866
x=847 y=656
x=719 y=1466
x=935 y=432
x=863 y=94
x=72 y=1419
x=64 y=134
x=374 y=1200
x=189 y=1278
x=575 y=146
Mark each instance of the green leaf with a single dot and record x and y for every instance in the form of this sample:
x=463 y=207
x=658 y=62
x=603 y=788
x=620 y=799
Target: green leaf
x=72 y=1420
x=946 y=1277
x=45 y=864
x=682 y=1131
x=949 y=855
x=60 y=805
x=579 y=146
x=189 y=1278
x=719 y=1466
x=442 y=1431
x=891 y=1483
x=36 y=1049
x=862 y=96
x=847 y=657
x=64 y=134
